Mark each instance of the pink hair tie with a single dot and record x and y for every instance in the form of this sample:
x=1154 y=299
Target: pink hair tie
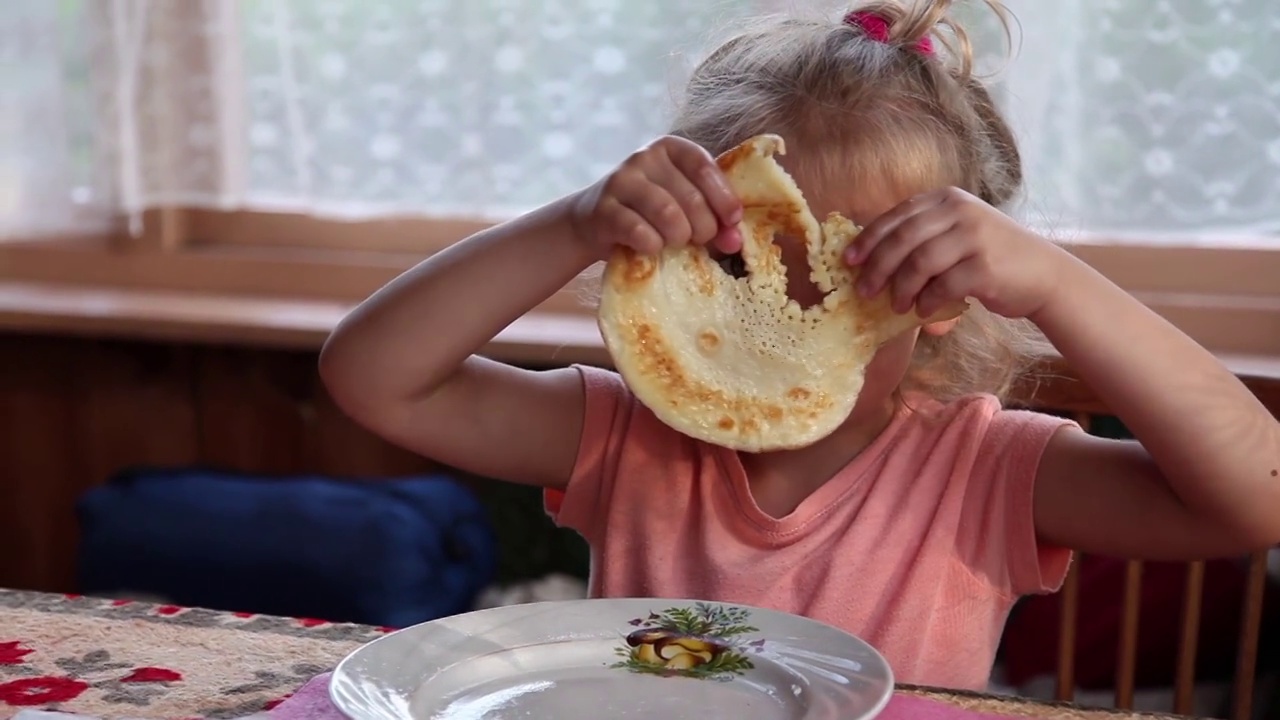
x=877 y=28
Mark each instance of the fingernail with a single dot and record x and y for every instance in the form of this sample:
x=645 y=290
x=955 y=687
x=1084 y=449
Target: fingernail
x=864 y=288
x=731 y=241
x=851 y=255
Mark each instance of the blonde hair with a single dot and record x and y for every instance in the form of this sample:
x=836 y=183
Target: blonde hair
x=881 y=110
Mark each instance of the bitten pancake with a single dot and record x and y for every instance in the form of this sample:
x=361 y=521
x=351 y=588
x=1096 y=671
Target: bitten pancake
x=734 y=361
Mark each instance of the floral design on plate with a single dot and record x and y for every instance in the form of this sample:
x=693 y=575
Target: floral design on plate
x=702 y=641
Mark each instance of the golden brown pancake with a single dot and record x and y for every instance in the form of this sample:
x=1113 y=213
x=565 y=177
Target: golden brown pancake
x=734 y=361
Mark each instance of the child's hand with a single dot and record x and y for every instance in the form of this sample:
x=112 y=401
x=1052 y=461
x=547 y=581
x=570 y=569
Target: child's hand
x=668 y=194
x=947 y=245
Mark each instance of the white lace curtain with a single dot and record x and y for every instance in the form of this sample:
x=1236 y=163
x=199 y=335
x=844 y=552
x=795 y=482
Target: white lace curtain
x=1151 y=120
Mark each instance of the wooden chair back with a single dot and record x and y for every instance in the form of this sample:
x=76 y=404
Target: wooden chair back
x=1073 y=398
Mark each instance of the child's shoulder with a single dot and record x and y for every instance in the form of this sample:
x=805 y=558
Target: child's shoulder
x=606 y=388
x=975 y=407
x=611 y=408
x=975 y=415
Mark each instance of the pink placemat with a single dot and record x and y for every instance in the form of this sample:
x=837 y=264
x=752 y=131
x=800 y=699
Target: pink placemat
x=311 y=702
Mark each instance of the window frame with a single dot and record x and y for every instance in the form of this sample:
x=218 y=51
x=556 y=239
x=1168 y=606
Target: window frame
x=1227 y=298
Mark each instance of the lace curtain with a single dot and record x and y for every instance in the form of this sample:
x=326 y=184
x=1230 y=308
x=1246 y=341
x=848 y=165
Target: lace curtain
x=1154 y=121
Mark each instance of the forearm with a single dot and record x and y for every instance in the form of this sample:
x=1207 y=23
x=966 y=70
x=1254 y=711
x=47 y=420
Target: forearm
x=1216 y=445
x=411 y=335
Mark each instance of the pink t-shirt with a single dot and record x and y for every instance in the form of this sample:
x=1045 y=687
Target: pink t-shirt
x=919 y=546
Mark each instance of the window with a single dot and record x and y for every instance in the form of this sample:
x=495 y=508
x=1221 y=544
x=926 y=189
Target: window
x=475 y=109
x=353 y=109
x=1151 y=122
x=1138 y=120
x=48 y=169
x=403 y=125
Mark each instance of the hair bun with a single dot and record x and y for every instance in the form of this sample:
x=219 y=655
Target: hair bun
x=922 y=25
x=878 y=28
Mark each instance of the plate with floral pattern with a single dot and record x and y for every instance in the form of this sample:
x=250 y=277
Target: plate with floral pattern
x=619 y=658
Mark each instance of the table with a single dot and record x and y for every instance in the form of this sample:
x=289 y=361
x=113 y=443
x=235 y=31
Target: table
x=121 y=658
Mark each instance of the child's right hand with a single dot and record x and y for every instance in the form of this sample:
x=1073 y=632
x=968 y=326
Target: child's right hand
x=668 y=194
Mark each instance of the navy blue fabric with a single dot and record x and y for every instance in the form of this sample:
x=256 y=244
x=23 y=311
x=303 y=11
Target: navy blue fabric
x=384 y=552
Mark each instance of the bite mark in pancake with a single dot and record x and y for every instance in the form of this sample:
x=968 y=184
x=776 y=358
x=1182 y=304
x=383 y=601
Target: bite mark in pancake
x=733 y=360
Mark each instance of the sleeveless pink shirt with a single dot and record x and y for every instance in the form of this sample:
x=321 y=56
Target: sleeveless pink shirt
x=919 y=546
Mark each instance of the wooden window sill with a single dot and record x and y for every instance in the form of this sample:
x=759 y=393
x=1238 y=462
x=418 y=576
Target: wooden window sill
x=541 y=338
x=1226 y=300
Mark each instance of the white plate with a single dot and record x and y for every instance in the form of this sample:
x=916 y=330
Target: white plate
x=627 y=658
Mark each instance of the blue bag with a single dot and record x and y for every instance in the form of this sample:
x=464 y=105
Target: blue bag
x=383 y=552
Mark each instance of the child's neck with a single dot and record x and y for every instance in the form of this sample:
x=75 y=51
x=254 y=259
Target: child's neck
x=781 y=480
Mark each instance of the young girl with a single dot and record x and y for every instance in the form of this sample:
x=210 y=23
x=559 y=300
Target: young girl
x=917 y=523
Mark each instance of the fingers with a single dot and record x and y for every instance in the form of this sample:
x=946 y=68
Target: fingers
x=957 y=283
x=659 y=208
x=729 y=241
x=697 y=166
x=883 y=226
x=903 y=248
x=629 y=228
x=930 y=259
x=936 y=249
x=674 y=188
x=694 y=206
x=923 y=252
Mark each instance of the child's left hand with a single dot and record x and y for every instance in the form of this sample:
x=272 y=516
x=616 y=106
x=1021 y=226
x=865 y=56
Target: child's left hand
x=948 y=245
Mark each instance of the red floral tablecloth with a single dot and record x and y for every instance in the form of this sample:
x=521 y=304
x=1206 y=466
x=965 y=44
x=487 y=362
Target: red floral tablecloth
x=116 y=658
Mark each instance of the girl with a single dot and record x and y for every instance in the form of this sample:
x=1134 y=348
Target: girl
x=920 y=521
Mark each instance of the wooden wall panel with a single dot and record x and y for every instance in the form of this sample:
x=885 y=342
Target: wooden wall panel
x=268 y=412
x=340 y=448
x=253 y=414
x=132 y=406
x=35 y=425
x=72 y=413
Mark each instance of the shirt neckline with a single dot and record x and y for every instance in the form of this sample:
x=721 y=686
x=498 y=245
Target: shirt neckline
x=826 y=498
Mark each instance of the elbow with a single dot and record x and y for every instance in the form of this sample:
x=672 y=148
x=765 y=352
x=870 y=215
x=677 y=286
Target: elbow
x=1256 y=531
x=1264 y=535
x=1264 y=532
x=1254 y=542
x=329 y=368
x=359 y=384
x=330 y=362
x=341 y=377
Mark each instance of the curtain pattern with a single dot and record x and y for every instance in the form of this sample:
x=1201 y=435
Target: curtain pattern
x=1153 y=121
